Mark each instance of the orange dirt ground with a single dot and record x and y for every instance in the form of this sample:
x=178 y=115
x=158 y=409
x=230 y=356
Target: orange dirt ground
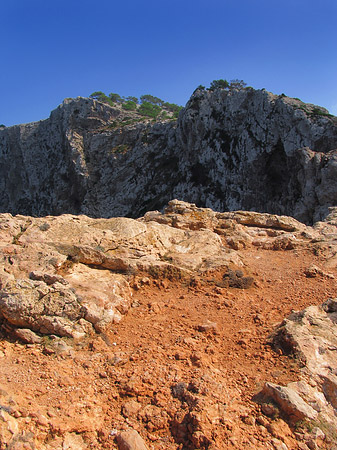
x=181 y=368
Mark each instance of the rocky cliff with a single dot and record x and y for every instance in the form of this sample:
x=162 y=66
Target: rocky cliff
x=229 y=150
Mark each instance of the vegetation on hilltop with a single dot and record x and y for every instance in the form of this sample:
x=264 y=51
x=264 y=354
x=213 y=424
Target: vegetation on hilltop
x=310 y=110
x=157 y=109
x=224 y=84
x=147 y=105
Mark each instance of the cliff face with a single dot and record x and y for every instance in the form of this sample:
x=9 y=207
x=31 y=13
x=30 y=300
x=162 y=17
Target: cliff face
x=228 y=150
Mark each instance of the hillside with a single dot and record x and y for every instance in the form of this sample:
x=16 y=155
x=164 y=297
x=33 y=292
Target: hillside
x=168 y=332
x=228 y=150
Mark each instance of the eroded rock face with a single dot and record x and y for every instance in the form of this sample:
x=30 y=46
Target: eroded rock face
x=229 y=150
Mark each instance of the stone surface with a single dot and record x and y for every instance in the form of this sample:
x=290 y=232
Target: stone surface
x=290 y=402
x=28 y=304
x=240 y=149
x=130 y=440
x=311 y=336
x=28 y=336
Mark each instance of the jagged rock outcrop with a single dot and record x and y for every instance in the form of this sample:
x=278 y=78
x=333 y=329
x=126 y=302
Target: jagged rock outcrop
x=229 y=150
x=311 y=336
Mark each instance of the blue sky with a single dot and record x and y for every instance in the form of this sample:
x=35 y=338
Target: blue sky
x=53 y=49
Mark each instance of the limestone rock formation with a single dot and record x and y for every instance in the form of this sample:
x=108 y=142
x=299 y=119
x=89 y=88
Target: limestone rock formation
x=229 y=150
x=64 y=275
x=311 y=336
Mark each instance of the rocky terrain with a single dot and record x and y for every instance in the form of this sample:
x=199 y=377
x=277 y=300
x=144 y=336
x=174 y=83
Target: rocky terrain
x=188 y=329
x=229 y=149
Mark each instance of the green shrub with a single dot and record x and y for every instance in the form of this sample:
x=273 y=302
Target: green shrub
x=151 y=99
x=219 y=84
x=164 y=115
x=319 y=112
x=200 y=88
x=101 y=97
x=172 y=107
x=130 y=106
x=120 y=149
x=237 y=84
x=132 y=99
x=150 y=106
x=149 y=110
x=115 y=98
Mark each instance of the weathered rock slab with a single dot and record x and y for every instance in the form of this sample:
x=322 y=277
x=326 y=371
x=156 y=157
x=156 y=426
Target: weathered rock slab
x=290 y=402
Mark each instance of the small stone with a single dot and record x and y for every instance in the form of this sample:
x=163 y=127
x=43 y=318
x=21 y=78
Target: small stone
x=42 y=420
x=131 y=408
x=317 y=434
x=269 y=409
x=289 y=401
x=130 y=440
x=27 y=336
x=179 y=389
x=73 y=441
x=196 y=358
x=279 y=445
x=207 y=326
x=248 y=420
x=312 y=271
x=262 y=421
x=154 y=307
x=312 y=444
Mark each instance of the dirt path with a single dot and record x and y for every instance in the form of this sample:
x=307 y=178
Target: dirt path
x=182 y=367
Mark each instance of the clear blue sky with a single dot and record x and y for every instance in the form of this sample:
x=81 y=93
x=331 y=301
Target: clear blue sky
x=52 y=49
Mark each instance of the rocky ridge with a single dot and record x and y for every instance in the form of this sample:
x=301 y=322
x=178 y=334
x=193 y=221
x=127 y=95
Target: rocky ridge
x=155 y=333
x=229 y=150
